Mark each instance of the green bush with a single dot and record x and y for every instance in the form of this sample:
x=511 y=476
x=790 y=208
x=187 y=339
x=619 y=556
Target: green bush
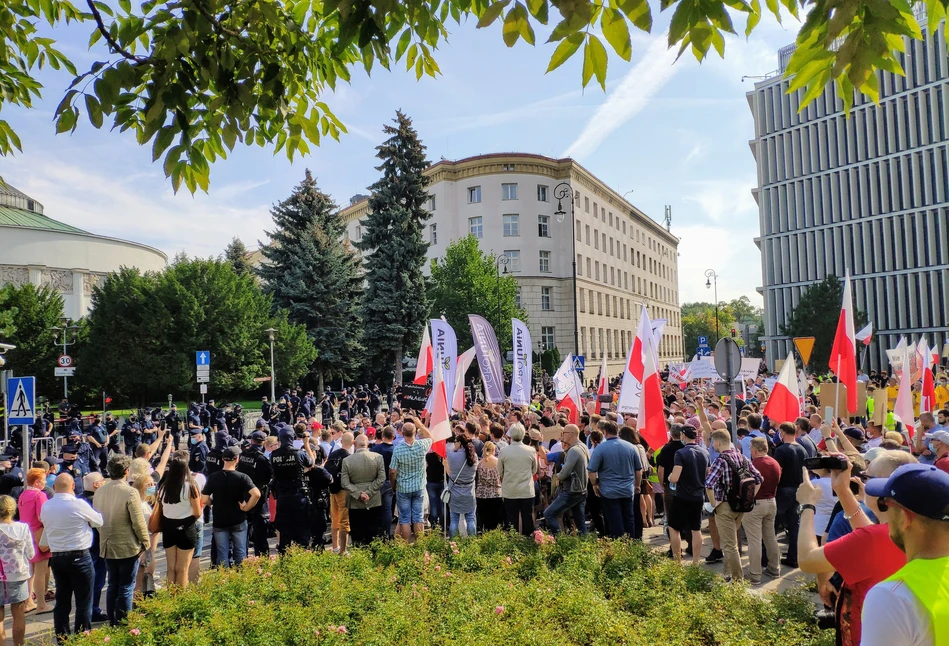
x=497 y=589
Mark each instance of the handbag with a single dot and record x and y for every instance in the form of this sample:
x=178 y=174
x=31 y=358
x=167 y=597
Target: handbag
x=154 y=521
x=41 y=541
x=148 y=585
x=446 y=492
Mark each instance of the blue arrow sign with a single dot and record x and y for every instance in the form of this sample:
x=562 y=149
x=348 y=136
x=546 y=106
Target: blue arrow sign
x=21 y=397
x=704 y=351
x=202 y=358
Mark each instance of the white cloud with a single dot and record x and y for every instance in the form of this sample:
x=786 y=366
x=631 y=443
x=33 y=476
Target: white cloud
x=723 y=200
x=731 y=252
x=654 y=70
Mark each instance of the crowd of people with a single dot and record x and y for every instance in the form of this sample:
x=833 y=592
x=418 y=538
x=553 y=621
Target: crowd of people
x=863 y=506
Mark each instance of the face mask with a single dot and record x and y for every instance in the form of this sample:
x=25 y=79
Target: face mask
x=150 y=491
x=194 y=440
x=929 y=446
x=50 y=479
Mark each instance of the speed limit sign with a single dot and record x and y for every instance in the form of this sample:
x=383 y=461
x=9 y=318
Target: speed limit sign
x=65 y=361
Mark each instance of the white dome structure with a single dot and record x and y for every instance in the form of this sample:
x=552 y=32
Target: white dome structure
x=39 y=250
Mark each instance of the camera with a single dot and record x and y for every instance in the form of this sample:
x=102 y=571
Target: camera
x=6 y=346
x=829 y=462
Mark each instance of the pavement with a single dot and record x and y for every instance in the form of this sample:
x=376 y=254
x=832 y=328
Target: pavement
x=39 y=628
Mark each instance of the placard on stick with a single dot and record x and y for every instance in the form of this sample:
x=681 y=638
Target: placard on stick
x=828 y=397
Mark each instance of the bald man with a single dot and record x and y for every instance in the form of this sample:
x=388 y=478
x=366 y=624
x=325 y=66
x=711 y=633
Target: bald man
x=362 y=476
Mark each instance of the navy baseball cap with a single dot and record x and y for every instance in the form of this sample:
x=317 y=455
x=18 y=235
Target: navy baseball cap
x=286 y=435
x=258 y=436
x=196 y=431
x=921 y=488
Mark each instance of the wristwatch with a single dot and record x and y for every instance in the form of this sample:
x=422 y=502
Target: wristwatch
x=807 y=506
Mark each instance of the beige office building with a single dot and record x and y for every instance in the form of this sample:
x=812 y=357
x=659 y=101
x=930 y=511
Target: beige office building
x=623 y=258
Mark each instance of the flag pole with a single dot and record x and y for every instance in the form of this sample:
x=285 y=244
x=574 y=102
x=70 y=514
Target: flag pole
x=837 y=393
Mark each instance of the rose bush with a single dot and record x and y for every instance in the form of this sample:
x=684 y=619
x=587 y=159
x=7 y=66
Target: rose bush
x=496 y=589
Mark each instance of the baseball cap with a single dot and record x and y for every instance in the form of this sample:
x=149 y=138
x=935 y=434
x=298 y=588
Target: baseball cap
x=689 y=431
x=939 y=436
x=231 y=453
x=196 y=431
x=370 y=432
x=258 y=436
x=855 y=433
x=51 y=460
x=873 y=453
x=920 y=488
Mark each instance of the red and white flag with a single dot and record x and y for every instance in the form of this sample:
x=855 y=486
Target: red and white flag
x=441 y=413
x=631 y=389
x=568 y=388
x=843 y=356
x=865 y=335
x=927 y=395
x=603 y=386
x=425 y=359
x=903 y=409
x=651 y=421
x=784 y=403
x=464 y=362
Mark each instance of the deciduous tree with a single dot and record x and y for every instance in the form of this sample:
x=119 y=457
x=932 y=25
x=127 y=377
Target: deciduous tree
x=31 y=312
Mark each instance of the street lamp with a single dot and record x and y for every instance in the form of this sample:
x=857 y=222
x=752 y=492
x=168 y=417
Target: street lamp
x=273 y=393
x=65 y=328
x=563 y=191
x=711 y=279
x=500 y=259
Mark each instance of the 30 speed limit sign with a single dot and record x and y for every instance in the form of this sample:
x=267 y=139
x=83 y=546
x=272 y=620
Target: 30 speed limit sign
x=65 y=361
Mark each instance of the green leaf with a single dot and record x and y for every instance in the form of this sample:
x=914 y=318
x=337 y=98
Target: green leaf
x=94 y=110
x=126 y=6
x=67 y=120
x=517 y=25
x=638 y=12
x=491 y=13
x=567 y=48
x=162 y=140
x=595 y=61
x=403 y=44
x=616 y=32
x=539 y=9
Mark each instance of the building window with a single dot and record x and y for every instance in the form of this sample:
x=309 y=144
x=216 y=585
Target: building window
x=599 y=307
x=474 y=195
x=578 y=231
x=508 y=191
x=513 y=260
x=476 y=227
x=547 y=337
x=583 y=340
x=591 y=301
x=579 y=265
x=611 y=218
x=583 y=300
x=586 y=204
x=596 y=266
x=586 y=229
x=545 y=299
x=589 y=273
x=541 y=193
x=596 y=211
x=434 y=234
x=596 y=239
x=543 y=226
x=517 y=297
x=431 y=203
x=545 y=262
x=358 y=233
x=30 y=205
x=511 y=226
x=508 y=167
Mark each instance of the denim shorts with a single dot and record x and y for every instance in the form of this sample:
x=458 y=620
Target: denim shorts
x=410 y=507
x=15 y=591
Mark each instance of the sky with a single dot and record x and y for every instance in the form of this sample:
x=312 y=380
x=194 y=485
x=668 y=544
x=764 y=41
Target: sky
x=673 y=133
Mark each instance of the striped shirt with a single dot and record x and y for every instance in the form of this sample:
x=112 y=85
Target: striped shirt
x=408 y=460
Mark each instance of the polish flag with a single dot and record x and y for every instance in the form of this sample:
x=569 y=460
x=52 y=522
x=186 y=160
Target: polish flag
x=927 y=397
x=651 y=421
x=843 y=356
x=865 y=335
x=464 y=362
x=903 y=409
x=631 y=388
x=784 y=403
x=425 y=359
x=568 y=388
x=440 y=424
x=602 y=386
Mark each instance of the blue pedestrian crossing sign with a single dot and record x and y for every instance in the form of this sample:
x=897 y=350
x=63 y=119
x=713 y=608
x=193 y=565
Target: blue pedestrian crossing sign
x=202 y=358
x=579 y=363
x=21 y=400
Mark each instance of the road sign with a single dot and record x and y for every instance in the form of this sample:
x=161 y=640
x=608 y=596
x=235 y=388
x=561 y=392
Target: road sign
x=704 y=351
x=204 y=378
x=703 y=340
x=202 y=358
x=65 y=372
x=727 y=358
x=203 y=370
x=579 y=362
x=65 y=361
x=21 y=397
x=204 y=389
x=804 y=345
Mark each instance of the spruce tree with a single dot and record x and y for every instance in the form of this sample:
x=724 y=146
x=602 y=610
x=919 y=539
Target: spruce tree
x=394 y=304
x=236 y=254
x=314 y=275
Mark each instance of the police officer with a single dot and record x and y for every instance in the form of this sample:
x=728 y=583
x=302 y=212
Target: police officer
x=112 y=431
x=327 y=407
x=75 y=455
x=289 y=484
x=173 y=424
x=265 y=409
x=253 y=464
x=131 y=435
x=198 y=448
x=149 y=428
x=283 y=410
x=375 y=401
x=98 y=441
x=294 y=403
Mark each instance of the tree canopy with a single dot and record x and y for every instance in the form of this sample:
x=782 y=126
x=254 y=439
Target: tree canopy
x=193 y=78
x=31 y=313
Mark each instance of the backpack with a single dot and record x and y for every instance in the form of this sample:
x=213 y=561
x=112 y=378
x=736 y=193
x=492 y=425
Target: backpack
x=334 y=465
x=741 y=495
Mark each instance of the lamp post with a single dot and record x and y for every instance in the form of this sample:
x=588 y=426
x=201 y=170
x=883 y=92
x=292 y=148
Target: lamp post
x=563 y=191
x=273 y=393
x=711 y=279
x=500 y=259
x=66 y=328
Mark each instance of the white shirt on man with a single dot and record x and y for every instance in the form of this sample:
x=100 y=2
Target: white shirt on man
x=893 y=615
x=68 y=523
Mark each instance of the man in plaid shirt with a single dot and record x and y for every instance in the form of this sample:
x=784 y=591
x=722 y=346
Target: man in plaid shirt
x=718 y=483
x=407 y=477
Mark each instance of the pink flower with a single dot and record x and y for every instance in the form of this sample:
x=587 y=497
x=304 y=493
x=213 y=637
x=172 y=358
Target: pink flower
x=316 y=632
x=342 y=630
x=510 y=561
x=447 y=574
x=260 y=570
x=273 y=557
x=266 y=575
x=539 y=537
x=455 y=552
x=780 y=621
x=499 y=610
x=438 y=567
x=332 y=628
x=135 y=631
x=251 y=602
x=106 y=639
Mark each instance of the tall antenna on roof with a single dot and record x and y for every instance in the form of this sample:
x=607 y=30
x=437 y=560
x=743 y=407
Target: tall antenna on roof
x=668 y=217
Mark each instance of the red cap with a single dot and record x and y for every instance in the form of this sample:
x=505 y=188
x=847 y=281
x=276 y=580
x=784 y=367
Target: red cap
x=370 y=432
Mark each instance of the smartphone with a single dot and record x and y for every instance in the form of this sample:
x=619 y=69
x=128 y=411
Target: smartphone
x=829 y=414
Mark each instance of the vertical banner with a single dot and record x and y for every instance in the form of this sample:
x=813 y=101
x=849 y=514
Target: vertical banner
x=489 y=358
x=445 y=352
x=568 y=388
x=464 y=362
x=633 y=374
x=521 y=375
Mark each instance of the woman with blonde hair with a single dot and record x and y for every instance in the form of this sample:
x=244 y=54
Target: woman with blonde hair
x=16 y=552
x=30 y=504
x=145 y=486
x=490 y=507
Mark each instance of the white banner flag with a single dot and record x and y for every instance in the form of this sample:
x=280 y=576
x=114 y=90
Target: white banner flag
x=521 y=374
x=464 y=362
x=445 y=352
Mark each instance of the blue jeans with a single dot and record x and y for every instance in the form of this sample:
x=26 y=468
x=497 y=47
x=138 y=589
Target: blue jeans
x=98 y=564
x=231 y=537
x=469 y=522
x=385 y=516
x=410 y=507
x=118 y=598
x=436 y=508
x=619 y=517
x=74 y=575
x=564 y=502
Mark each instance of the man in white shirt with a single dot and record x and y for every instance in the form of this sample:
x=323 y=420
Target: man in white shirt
x=68 y=524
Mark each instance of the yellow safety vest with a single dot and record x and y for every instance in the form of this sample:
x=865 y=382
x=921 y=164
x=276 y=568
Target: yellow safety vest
x=928 y=579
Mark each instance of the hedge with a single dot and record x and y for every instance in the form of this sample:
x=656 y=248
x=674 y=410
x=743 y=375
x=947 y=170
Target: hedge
x=493 y=590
